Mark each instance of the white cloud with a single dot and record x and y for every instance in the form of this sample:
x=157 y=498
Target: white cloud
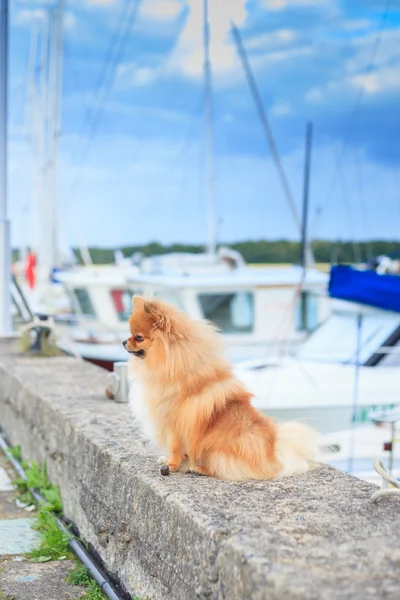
x=387 y=52
x=188 y=55
x=283 y=4
x=69 y=21
x=161 y=10
x=28 y=16
x=104 y=3
x=314 y=95
x=356 y=24
x=285 y=55
x=133 y=73
x=382 y=77
x=272 y=38
x=383 y=80
x=281 y=109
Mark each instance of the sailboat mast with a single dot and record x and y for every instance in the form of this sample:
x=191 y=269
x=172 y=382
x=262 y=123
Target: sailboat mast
x=47 y=110
x=209 y=142
x=5 y=249
x=304 y=257
x=55 y=85
x=305 y=252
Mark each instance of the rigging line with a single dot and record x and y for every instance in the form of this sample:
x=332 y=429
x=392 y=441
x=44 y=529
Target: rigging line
x=76 y=77
x=108 y=57
x=99 y=109
x=264 y=121
x=364 y=207
x=356 y=107
x=188 y=140
x=347 y=204
x=396 y=186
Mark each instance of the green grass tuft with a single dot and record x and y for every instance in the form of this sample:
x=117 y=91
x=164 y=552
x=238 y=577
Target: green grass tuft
x=15 y=452
x=54 y=543
x=36 y=478
x=80 y=576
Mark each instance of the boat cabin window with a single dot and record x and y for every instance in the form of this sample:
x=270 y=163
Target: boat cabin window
x=306 y=316
x=122 y=300
x=84 y=302
x=231 y=312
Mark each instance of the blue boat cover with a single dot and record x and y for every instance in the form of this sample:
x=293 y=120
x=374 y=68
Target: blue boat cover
x=365 y=287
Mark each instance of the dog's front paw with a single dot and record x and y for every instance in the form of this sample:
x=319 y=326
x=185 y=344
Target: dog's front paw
x=173 y=466
x=162 y=460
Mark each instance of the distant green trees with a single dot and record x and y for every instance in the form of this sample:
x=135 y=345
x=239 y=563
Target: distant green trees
x=263 y=251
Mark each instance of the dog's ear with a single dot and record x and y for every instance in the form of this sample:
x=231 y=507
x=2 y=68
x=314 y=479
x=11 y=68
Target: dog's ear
x=163 y=320
x=137 y=301
x=156 y=314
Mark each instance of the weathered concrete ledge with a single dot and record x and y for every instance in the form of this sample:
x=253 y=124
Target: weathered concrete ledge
x=183 y=537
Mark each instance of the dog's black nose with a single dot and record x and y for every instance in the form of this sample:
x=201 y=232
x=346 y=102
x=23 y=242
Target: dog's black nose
x=124 y=343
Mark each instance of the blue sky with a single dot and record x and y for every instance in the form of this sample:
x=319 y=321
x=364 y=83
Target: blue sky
x=141 y=178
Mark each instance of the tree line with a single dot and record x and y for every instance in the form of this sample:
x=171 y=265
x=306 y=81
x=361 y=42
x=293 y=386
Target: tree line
x=264 y=251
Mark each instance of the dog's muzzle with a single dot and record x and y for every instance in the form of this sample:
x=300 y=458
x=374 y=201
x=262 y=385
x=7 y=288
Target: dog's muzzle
x=139 y=353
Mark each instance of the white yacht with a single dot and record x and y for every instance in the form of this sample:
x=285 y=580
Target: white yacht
x=255 y=308
x=322 y=383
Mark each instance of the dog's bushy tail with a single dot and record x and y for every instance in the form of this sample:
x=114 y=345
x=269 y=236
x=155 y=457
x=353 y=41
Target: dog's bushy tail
x=296 y=445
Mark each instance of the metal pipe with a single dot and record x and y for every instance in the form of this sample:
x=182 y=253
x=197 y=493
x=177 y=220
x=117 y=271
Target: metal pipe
x=76 y=546
x=5 y=248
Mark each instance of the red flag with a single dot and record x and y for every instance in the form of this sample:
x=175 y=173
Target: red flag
x=30 y=267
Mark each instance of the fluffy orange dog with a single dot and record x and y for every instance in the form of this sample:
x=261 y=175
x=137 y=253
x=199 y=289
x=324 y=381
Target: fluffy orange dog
x=195 y=407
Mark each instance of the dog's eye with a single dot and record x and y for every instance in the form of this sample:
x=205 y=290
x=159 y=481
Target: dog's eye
x=138 y=338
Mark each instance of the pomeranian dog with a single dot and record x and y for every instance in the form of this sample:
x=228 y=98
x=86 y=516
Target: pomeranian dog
x=192 y=405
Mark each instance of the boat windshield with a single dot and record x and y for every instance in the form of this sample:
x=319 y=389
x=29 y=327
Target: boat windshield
x=122 y=300
x=232 y=312
x=84 y=302
x=336 y=339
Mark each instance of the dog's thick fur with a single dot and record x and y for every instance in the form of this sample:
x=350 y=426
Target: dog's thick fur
x=196 y=408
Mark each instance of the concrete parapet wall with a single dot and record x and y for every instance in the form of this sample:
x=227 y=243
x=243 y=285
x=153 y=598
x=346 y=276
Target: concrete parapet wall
x=182 y=537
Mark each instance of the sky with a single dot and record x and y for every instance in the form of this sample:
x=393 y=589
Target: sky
x=131 y=144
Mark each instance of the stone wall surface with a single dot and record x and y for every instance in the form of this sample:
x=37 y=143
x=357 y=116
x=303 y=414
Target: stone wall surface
x=182 y=537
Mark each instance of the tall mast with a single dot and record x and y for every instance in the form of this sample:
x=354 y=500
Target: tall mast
x=304 y=257
x=209 y=142
x=31 y=122
x=55 y=84
x=305 y=253
x=49 y=94
x=5 y=249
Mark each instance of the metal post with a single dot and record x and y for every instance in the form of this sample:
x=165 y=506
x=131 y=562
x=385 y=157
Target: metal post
x=5 y=248
x=209 y=132
x=355 y=393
